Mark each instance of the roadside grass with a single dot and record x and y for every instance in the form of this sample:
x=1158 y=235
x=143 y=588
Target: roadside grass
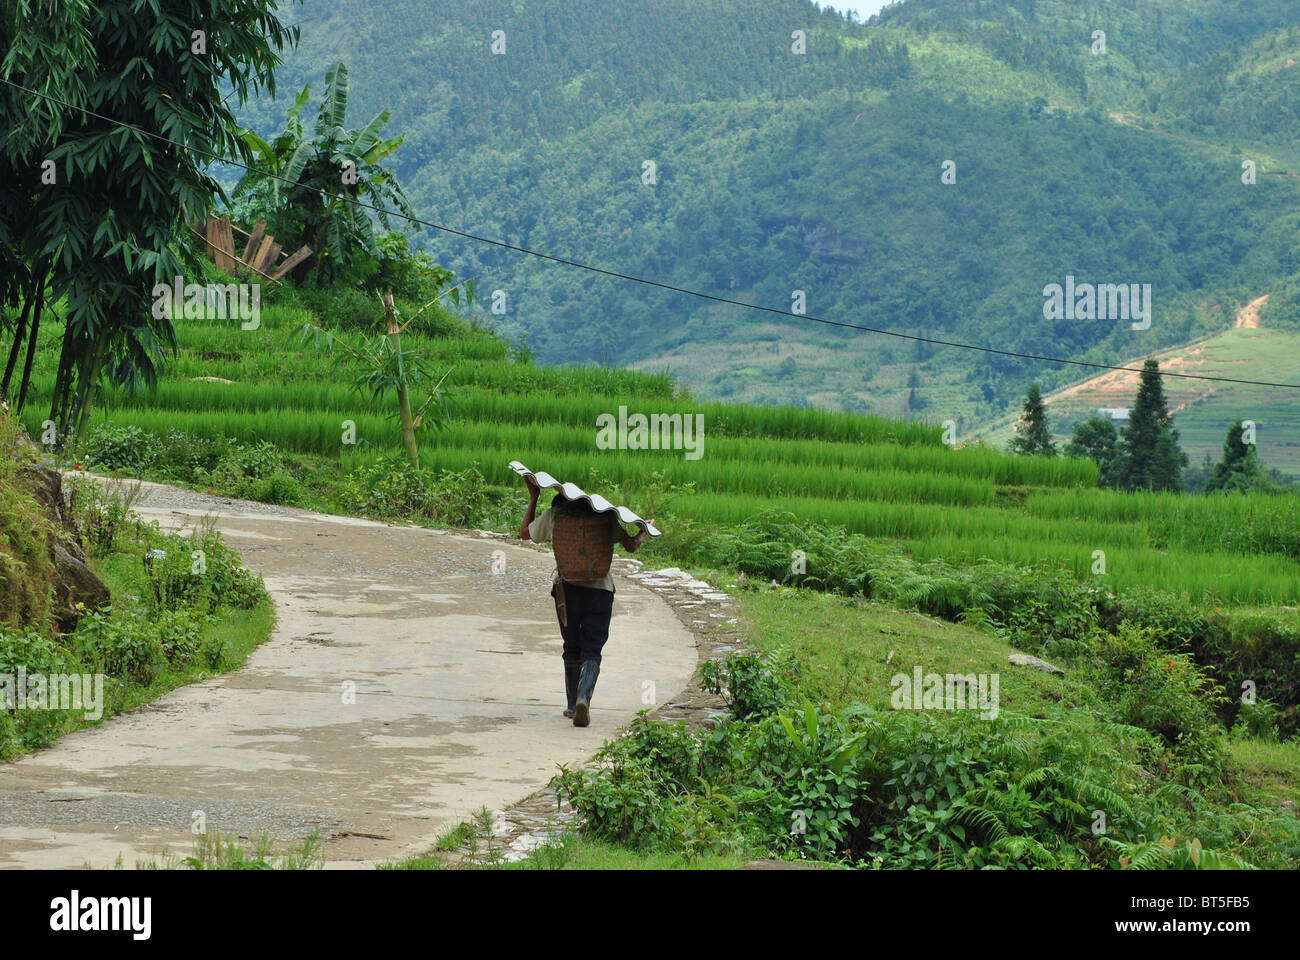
x=572 y=852
x=1267 y=771
x=846 y=651
x=218 y=851
x=1267 y=774
x=838 y=651
x=239 y=631
x=142 y=644
x=458 y=836
x=470 y=846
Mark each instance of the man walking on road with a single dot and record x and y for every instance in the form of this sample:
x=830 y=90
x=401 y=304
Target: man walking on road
x=583 y=607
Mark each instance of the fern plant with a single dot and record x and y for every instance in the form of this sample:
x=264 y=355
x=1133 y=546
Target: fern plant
x=1168 y=853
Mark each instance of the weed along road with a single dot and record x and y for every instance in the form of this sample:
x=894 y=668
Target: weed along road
x=406 y=686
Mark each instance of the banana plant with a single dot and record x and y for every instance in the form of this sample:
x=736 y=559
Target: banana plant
x=308 y=180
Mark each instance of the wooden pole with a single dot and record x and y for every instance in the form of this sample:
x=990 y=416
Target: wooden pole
x=224 y=252
x=290 y=262
x=403 y=394
x=254 y=239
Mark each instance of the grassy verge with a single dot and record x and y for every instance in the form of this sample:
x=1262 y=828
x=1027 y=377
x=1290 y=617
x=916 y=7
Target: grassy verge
x=217 y=851
x=470 y=846
x=843 y=653
x=235 y=632
x=182 y=609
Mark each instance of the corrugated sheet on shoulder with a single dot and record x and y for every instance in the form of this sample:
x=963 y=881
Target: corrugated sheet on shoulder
x=571 y=491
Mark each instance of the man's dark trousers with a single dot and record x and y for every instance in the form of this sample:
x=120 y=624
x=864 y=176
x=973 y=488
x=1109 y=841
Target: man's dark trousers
x=588 y=611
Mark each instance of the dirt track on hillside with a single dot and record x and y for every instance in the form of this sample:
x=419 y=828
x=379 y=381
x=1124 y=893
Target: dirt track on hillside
x=1117 y=388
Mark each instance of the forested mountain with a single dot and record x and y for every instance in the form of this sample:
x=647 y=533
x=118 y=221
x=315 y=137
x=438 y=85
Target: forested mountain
x=824 y=172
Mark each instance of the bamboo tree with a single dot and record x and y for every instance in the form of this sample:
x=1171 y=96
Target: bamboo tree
x=389 y=368
x=15 y=350
x=125 y=107
x=33 y=335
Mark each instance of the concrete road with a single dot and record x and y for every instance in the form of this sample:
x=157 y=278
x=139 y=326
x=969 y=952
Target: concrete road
x=406 y=686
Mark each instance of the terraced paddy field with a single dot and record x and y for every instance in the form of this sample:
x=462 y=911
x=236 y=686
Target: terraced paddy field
x=876 y=477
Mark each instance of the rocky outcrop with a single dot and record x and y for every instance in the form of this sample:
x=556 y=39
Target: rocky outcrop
x=74 y=583
x=1025 y=660
x=65 y=566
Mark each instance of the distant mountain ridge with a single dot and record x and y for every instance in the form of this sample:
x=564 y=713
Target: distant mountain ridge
x=686 y=141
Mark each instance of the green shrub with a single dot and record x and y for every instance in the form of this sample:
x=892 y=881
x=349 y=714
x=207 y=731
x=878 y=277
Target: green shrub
x=343 y=306
x=1169 y=694
x=138 y=642
x=254 y=471
x=1258 y=720
x=644 y=790
x=668 y=748
x=180 y=633
x=186 y=457
x=280 y=487
x=1046 y=611
x=621 y=802
x=179 y=575
x=1250 y=650
x=902 y=789
x=212 y=652
x=1246 y=650
x=36 y=654
x=241 y=461
x=1179 y=622
x=805 y=781
x=174 y=455
x=927 y=799
x=112 y=446
x=460 y=497
x=102 y=517
x=395 y=489
x=126 y=647
x=749 y=685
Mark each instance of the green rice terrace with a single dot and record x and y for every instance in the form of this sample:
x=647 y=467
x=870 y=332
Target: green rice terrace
x=887 y=479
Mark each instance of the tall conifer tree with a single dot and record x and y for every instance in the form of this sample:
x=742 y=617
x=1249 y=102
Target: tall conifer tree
x=1032 y=435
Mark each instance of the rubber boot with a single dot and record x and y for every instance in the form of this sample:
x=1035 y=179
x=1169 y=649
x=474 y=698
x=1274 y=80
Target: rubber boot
x=586 y=686
x=572 y=672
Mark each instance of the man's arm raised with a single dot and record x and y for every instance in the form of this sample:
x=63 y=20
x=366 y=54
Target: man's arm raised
x=533 y=491
x=633 y=544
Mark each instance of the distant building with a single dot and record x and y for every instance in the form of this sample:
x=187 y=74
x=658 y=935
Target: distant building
x=1118 y=414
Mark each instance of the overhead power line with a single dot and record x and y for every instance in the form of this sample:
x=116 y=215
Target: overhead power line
x=565 y=261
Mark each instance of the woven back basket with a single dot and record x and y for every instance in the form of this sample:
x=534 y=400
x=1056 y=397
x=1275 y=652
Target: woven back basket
x=583 y=546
